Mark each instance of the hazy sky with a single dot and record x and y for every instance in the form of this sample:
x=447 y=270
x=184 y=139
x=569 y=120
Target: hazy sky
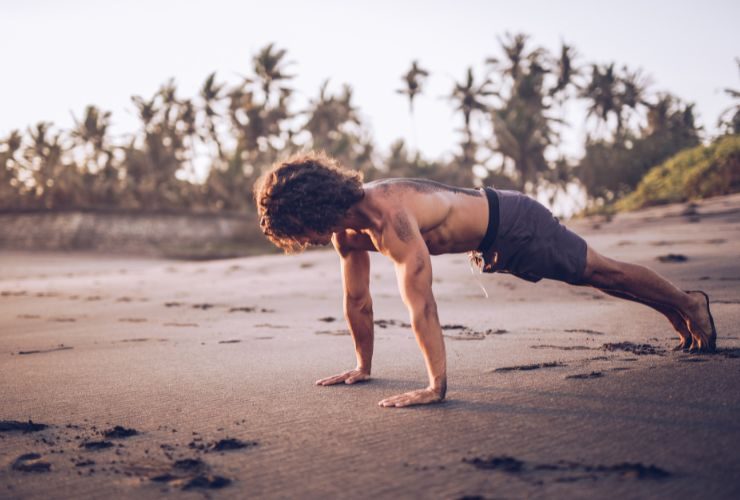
x=58 y=56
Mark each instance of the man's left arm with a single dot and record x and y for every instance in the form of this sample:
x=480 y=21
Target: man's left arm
x=404 y=244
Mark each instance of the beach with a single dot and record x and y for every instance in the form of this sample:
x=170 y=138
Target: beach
x=146 y=376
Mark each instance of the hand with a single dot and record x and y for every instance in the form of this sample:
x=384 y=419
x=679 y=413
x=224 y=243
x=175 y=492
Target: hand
x=348 y=377
x=417 y=397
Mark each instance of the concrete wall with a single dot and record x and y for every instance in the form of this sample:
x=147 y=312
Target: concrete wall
x=170 y=235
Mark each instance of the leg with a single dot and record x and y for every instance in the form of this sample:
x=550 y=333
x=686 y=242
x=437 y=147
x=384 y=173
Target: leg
x=648 y=287
x=677 y=320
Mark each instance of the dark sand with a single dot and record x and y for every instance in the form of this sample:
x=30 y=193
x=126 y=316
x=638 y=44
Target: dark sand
x=160 y=376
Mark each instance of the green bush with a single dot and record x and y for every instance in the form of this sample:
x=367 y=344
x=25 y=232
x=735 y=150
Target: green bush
x=695 y=173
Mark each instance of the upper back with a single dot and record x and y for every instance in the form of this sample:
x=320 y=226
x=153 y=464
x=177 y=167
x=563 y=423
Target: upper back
x=450 y=219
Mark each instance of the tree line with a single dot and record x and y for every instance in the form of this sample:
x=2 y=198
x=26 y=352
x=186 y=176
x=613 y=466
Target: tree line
x=510 y=137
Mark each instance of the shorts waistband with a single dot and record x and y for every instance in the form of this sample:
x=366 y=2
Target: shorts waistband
x=493 y=220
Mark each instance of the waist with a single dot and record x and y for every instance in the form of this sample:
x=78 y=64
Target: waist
x=493 y=220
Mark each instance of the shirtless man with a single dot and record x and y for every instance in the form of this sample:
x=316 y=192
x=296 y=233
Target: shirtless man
x=311 y=200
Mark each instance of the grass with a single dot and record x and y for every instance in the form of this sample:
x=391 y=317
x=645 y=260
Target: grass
x=696 y=173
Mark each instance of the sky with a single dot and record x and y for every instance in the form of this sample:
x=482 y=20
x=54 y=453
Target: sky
x=59 y=56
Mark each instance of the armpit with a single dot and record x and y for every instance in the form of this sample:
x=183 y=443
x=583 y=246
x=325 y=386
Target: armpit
x=402 y=227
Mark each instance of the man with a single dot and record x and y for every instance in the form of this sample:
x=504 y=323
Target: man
x=310 y=200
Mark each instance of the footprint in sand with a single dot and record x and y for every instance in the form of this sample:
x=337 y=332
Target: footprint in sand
x=143 y=340
x=585 y=376
x=638 y=349
x=269 y=325
x=120 y=432
x=61 y=347
x=186 y=474
x=535 y=366
x=467 y=333
x=385 y=323
x=249 y=309
x=31 y=462
x=96 y=445
x=583 y=330
x=562 y=347
x=24 y=427
x=332 y=332
x=672 y=258
x=564 y=471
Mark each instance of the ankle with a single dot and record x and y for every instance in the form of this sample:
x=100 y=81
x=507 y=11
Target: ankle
x=694 y=302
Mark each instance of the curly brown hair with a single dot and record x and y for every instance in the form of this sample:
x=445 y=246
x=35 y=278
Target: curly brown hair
x=308 y=192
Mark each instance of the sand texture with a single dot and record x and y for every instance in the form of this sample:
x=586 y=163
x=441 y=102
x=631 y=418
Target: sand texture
x=143 y=377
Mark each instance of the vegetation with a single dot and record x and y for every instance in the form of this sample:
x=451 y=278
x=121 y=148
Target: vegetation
x=699 y=172
x=203 y=153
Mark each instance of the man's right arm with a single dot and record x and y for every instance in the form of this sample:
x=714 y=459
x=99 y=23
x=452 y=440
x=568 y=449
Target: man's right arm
x=358 y=311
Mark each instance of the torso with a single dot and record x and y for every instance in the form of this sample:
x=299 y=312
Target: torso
x=450 y=219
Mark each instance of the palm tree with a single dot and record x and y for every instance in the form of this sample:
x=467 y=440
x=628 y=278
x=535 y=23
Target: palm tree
x=100 y=175
x=58 y=184
x=731 y=125
x=92 y=130
x=470 y=97
x=565 y=70
x=10 y=186
x=601 y=91
x=335 y=127
x=414 y=79
x=522 y=127
x=210 y=94
x=513 y=47
x=328 y=115
x=615 y=94
x=269 y=65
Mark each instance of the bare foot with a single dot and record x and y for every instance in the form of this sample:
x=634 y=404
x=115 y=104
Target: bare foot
x=680 y=324
x=700 y=323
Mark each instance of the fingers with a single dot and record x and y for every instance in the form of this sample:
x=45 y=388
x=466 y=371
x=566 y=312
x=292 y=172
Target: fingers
x=349 y=377
x=419 y=397
x=332 y=380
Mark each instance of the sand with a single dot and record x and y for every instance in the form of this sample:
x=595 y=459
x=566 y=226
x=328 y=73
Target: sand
x=155 y=376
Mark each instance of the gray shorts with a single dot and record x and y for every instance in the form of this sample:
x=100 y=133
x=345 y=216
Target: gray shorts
x=532 y=244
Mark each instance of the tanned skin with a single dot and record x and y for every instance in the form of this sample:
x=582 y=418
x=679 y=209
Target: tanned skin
x=407 y=220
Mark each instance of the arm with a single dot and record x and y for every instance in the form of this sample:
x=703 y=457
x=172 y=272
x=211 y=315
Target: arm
x=405 y=246
x=358 y=311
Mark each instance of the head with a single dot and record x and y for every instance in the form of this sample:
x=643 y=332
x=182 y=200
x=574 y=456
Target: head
x=303 y=200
